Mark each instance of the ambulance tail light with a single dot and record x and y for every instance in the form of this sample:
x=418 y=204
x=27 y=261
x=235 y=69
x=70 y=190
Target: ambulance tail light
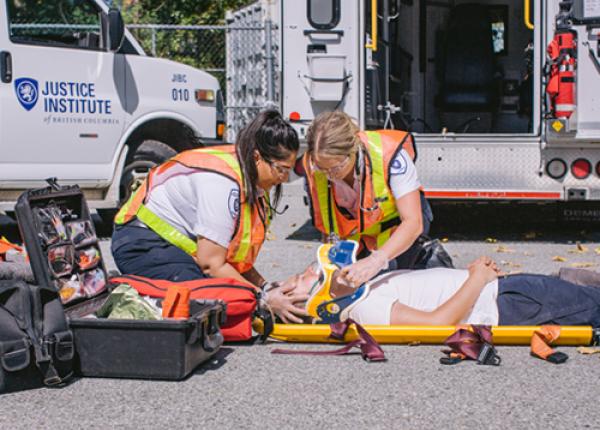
x=556 y=168
x=581 y=168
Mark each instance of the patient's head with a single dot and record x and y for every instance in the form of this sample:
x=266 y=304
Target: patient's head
x=305 y=281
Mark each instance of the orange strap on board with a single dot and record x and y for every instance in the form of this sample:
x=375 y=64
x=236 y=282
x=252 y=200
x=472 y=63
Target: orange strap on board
x=540 y=344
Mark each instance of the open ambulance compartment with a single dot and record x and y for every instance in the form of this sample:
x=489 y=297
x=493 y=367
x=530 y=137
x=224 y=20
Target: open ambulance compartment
x=456 y=66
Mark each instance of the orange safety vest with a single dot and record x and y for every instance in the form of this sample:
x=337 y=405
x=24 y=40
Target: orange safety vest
x=377 y=213
x=253 y=220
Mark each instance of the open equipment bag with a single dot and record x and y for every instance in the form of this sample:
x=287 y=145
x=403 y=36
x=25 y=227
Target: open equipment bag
x=241 y=300
x=36 y=345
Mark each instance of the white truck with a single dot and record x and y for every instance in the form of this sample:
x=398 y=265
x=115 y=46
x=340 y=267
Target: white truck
x=470 y=78
x=81 y=101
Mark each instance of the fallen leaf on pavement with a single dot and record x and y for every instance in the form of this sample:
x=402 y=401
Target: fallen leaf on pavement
x=582 y=265
x=275 y=265
x=271 y=236
x=597 y=250
x=307 y=246
x=293 y=225
x=444 y=239
x=559 y=258
x=503 y=248
x=528 y=254
x=588 y=350
x=530 y=235
x=414 y=343
x=490 y=240
x=579 y=249
x=510 y=264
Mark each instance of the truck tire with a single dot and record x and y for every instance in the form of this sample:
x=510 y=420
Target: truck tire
x=149 y=153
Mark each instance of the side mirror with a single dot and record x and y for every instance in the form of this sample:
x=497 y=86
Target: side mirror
x=116 y=29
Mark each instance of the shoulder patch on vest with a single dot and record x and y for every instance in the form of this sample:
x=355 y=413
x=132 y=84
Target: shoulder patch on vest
x=399 y=165
x=234 y=203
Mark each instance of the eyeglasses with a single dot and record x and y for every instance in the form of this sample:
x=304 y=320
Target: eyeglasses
x=279 y=169
x=332 y=172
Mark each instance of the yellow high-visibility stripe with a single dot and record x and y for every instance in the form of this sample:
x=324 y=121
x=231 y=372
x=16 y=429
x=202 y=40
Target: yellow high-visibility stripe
x=383 y=237
x=166 y=231
x=324 y=203
x=380 y=188
x=245 y=210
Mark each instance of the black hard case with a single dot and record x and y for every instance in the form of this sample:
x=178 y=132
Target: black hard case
x=165 y=349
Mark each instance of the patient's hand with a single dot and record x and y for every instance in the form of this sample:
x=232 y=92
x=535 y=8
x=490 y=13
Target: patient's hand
x=484 y=268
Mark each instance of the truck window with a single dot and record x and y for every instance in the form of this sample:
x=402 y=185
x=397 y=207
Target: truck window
x=323 y=14
x=62 y=23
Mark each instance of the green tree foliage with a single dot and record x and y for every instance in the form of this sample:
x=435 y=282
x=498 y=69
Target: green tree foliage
x=204 y=49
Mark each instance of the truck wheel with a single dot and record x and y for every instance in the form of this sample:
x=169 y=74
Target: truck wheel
x=149 y=154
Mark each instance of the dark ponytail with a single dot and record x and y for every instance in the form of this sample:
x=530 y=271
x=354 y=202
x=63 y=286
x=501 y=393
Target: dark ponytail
x=274 y=139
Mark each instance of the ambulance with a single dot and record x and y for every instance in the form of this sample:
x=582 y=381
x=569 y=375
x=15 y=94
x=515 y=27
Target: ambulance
x=502 y=96
x=82 y=102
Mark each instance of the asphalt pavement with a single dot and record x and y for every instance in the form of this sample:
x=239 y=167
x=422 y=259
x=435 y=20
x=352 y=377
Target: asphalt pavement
x=246 y=386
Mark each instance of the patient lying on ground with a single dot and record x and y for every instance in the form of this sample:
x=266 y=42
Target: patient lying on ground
x=477 y=295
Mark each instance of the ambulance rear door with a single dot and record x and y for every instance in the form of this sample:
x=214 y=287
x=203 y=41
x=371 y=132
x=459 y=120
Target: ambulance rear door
x=61 y=113
x=321 y=51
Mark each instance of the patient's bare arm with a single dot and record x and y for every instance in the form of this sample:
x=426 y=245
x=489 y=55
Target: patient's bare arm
x=451 y=312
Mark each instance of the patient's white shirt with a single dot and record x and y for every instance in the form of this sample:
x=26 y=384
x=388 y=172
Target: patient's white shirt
x=424 y=290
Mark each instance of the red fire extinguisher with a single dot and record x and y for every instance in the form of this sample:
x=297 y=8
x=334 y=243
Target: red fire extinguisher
x=562 y=52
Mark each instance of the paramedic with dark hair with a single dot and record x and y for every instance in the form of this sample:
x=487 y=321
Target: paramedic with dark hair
x=363 y=185
x=205 y=212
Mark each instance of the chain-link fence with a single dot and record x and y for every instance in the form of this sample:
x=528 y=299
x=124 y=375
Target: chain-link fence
x=241 y=54
x=200 y=46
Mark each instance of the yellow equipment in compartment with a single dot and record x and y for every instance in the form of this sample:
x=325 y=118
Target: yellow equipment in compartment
x=433 y=335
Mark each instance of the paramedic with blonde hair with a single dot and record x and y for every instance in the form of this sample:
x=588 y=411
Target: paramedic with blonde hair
x=363 y=186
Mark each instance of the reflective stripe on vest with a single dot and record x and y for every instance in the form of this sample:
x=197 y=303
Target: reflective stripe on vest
x=381 y=191
x=166 y=231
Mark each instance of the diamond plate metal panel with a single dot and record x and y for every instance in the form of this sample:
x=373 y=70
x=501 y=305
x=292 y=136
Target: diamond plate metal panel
x=518 y=165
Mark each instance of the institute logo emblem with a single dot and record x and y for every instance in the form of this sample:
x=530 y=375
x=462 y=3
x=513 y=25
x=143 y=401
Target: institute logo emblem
x=234 y=203
x=27 y=92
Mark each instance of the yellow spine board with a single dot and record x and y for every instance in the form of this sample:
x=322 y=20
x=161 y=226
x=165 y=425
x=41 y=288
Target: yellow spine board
x=434 y=335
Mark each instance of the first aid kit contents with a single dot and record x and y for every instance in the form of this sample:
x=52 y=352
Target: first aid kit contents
x=117 y=332
x=61 y=241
